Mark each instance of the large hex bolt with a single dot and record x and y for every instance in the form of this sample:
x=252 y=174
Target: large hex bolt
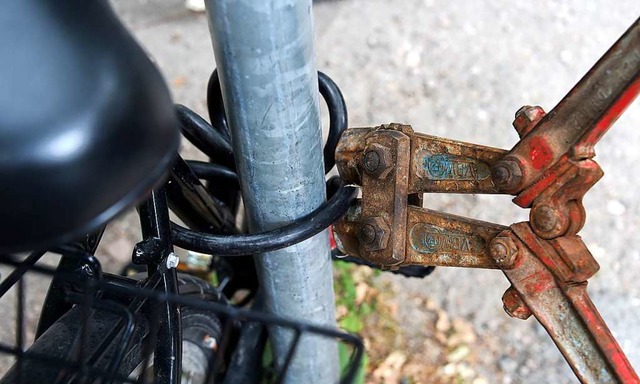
x=377 y=160
x=526 y=118
x=504 y=252
x=514 y=305
x=507 y=175
x=374 y=233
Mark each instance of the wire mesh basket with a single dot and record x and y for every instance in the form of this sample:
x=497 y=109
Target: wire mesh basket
x=97 y=327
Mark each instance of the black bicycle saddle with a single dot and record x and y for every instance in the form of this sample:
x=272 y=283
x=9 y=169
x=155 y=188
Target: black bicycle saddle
x=87 y=125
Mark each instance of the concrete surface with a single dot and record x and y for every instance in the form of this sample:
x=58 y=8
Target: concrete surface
x=458 y=69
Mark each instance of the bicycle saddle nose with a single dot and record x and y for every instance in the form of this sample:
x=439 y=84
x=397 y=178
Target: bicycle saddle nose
x=87 y=125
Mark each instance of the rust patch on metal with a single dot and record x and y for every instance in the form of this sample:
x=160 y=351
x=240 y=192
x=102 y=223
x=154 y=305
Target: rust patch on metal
x=385 y=193
x=348 y=153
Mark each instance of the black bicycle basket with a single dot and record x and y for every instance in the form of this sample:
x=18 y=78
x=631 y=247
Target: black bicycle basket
x=97 y=327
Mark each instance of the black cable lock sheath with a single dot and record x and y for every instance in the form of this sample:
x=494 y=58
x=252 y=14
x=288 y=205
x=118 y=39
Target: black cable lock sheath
x=255 y=243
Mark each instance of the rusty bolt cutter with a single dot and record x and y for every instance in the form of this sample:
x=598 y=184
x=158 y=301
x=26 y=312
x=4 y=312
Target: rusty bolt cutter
x=549 y=170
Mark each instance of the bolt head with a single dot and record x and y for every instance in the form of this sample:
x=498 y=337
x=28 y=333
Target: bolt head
x=499 y=251
x=374 y=233
x=549 y=221
x=526 y=118
x=507 y=175
x=377 y=161
x=501 y=174
x=371 y=161
x=545 y=218
x=514 y=306
x=367 y=233
x=504 y=252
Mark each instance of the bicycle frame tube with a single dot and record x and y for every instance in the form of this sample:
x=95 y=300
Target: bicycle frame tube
x=154 y=221
x=266 y=63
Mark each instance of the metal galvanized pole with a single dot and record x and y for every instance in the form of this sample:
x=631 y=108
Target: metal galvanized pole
x=266 y=63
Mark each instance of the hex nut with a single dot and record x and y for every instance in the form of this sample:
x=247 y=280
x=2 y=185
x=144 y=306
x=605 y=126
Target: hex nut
x=377 y=161
x=374 y=233
x=514 y=306
x=371 y=161
x=367 y=234
x=507 y=175
x=526 y=118
x=504 y=252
